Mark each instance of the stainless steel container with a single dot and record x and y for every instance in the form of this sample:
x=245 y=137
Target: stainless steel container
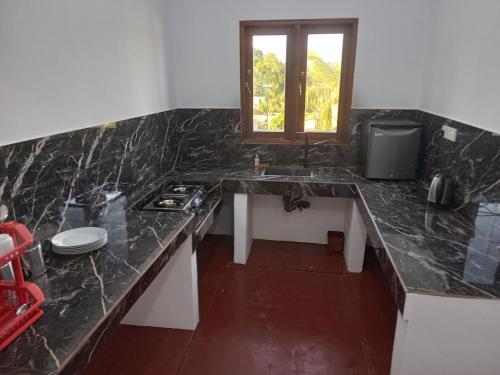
x=33 y=259
x=440 y=191
x=7 y=272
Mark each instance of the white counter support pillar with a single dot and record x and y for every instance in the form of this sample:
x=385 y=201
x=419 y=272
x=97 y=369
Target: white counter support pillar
x=171 y=301
x=447 y=336
x=242 y=227
x=355 y=238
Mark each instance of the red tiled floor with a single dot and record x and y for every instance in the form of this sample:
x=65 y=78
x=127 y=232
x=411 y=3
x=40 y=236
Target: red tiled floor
x=228 y=345
x=285 y=295
x=214 y=255
x=291 y=310
x=377 y=315
x=140 y=350
x=295 y=256
x=270 y=321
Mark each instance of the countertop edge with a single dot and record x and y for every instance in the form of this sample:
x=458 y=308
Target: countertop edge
x=84 y=352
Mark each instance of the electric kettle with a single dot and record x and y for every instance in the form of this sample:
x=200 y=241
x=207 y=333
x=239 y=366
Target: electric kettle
x=440 y=191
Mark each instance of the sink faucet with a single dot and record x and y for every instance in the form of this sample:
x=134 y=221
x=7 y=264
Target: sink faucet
x=306 y=149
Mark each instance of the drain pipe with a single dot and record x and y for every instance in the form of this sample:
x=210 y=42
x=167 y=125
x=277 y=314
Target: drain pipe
x=290 y=203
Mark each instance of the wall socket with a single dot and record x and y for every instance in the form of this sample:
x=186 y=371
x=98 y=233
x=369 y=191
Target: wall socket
x=449 y=133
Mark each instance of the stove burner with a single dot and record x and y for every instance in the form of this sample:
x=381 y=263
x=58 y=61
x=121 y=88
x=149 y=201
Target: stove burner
x=181 y=189
x=168 y=203
x=165 y=196
x=178 y=197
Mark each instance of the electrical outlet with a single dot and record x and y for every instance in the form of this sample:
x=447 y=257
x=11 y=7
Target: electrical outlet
x=449 y=133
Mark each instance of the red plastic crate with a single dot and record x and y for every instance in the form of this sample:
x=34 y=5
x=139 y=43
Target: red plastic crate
x=14 y=294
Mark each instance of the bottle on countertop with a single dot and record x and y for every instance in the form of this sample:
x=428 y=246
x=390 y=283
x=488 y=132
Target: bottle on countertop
x=256 y=160
x=6 y=243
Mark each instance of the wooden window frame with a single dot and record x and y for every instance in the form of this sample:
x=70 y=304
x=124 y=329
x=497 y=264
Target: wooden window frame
x=297 y=32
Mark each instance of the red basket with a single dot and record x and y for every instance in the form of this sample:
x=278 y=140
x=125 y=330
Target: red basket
x=14 y=294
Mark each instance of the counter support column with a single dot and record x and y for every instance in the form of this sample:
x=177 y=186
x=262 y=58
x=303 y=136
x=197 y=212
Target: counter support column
x=171 y=301
x=355 y=238
x=447 y=335
x=242 y=227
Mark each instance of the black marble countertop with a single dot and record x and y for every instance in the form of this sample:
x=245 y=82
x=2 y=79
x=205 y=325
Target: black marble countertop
x=87 y=295
x=423 y=249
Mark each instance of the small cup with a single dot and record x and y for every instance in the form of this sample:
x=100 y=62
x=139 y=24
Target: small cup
x=33 y=259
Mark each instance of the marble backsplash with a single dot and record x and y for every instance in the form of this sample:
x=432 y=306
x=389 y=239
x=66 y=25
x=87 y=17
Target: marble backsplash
x=207 y=137
x=38 y=176
x=214 y=137
x=473 y=161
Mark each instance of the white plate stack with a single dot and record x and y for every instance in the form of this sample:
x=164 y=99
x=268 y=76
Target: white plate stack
x=79 y=241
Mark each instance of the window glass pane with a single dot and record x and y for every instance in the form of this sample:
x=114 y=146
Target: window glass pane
x=269 y=70
x=324 y=58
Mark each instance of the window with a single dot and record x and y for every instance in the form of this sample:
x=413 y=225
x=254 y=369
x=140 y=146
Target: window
x=296 y=78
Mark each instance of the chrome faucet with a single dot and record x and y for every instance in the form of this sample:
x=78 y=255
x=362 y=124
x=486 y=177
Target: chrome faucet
x=306 y=149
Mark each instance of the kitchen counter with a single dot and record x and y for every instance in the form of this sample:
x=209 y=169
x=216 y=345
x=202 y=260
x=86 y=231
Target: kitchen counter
x=85 y=296
x=422 y=249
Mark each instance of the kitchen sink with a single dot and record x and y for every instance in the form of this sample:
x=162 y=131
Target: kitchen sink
x=284 y=171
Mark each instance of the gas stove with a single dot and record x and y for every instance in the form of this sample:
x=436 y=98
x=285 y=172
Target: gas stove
x=178 y=197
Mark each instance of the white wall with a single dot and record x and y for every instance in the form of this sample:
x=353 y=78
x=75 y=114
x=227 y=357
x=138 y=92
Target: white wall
x=72 y=64
x=441 y=56
x=462 y=79
x=271 y=222
x=392 y=38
